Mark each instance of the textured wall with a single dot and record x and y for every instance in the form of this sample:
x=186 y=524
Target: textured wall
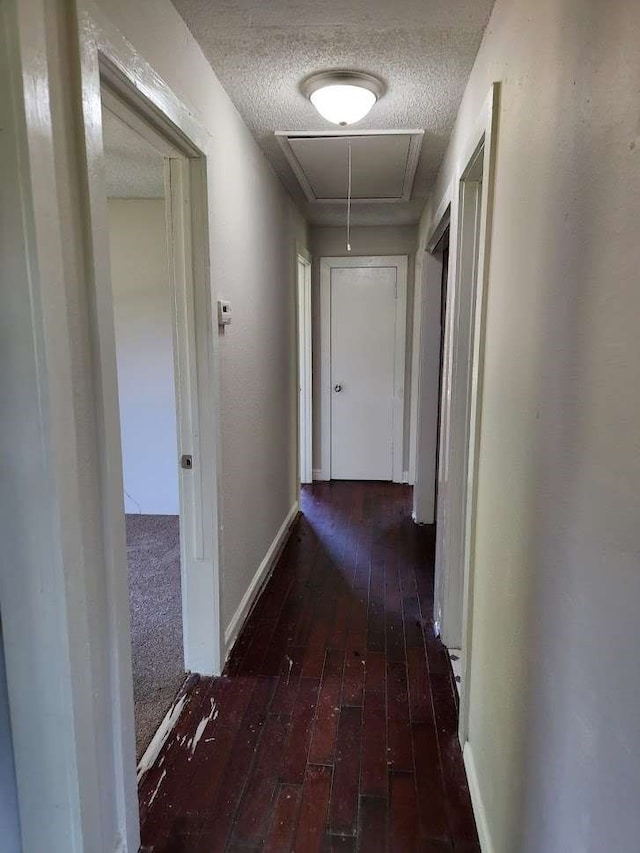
x=144 y=348
x=253 y=229
x=331 y=242
x=555 y=676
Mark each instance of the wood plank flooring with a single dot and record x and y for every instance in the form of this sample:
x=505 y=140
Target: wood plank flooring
x=334 y=725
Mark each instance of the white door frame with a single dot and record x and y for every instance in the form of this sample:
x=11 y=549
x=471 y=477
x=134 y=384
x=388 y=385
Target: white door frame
x=191 y=325
x=162 y=114
x=400 y=262
x=305 y=372
x=445 y=588
x=426 y=369
x=486 y=139
x=164 y=120
x=424 y=311
x=470 y=198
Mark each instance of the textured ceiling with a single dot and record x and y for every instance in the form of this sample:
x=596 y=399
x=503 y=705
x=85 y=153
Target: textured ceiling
x=422 y=49
x=134 y=169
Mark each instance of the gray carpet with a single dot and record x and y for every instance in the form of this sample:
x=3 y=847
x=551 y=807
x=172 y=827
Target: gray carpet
x=153 y=547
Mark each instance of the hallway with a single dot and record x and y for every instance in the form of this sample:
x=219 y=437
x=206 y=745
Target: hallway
x=335 y=724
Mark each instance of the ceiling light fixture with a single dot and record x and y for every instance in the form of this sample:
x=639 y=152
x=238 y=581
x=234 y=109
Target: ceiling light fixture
x=343 y=97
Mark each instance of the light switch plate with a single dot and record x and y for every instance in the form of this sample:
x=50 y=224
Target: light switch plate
x=224 y=312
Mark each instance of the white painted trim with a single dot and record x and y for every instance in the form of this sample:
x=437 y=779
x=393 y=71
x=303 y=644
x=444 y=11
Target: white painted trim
x=451 y=571
x=416 y=334
x=141 y=88
x=260 y=578
x=303 y=252
x=487 y=133
x=325 y=369
x=405 y=478
x=399 y=368
x=318 y=474
x=336 y=132
x=327 y=264
x=305 y=369
x=192 y=327
x=430 y=313
x=479 y=810
x=413 y=156
x=422 y=302
x=442 y=554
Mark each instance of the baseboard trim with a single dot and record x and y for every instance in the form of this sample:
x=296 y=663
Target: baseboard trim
x=482 y=824
x=260 y=578
x=318 y=474
x=405 y=477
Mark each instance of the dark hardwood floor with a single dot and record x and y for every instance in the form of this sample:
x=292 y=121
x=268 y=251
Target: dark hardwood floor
x=333 y=727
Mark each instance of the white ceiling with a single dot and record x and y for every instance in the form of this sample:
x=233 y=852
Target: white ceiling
x=422 y=49
x=134 y=169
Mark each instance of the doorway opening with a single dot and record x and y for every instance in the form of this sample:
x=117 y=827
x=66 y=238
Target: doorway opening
x=442 y=249
x=363 y=343
x=145 y=321
x=464 y=421
x=469 y=200
x=154 y=332
x=451 y=327
x=432 y=362
x=305 y=374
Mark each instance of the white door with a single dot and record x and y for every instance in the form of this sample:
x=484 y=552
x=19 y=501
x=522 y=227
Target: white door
x=363 y=332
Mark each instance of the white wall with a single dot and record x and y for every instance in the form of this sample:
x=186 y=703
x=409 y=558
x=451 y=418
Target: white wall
x=331 y=242
x=144 y=348
x=555 y=681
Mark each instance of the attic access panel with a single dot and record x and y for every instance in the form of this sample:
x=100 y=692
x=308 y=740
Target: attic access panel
x=383 y=164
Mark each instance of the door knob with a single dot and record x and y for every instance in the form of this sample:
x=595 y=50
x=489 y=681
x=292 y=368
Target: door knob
x=337 y=388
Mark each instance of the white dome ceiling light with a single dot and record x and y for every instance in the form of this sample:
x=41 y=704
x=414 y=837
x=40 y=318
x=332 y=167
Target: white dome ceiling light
x=343 y=97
